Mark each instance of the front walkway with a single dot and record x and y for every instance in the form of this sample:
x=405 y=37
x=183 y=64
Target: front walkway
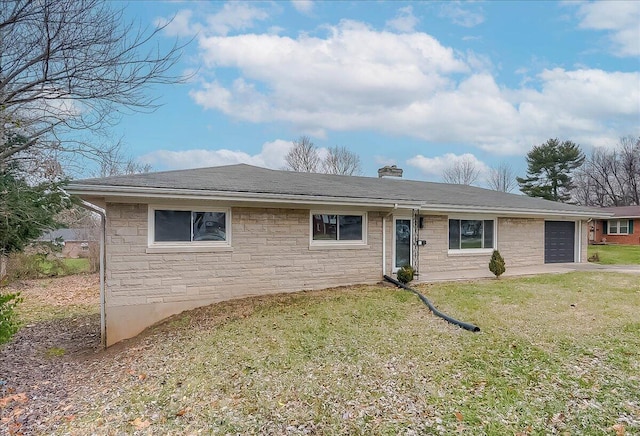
x=551 y=268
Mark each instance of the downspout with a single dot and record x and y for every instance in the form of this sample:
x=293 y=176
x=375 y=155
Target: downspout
x=436 y=312
x=103 y=236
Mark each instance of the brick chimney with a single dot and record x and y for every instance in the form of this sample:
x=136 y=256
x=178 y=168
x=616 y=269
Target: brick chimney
x=390 y=171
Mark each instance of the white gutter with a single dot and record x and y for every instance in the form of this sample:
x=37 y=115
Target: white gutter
x=447 y=208
x=103 y=233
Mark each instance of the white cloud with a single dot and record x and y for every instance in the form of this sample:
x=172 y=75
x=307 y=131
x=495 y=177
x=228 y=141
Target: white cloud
x=462 y=16
x=232 y=17
x=235 y=16
x=408 y=84
x=179 y=25
x=404 y=21
x=303 y=6
x=619 y=18
x=434 y=166
x=271 y=156
x=384 y=161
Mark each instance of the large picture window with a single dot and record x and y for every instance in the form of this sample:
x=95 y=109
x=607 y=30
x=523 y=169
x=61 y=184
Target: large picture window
x=470 y=234
x=619 y=227
x=348 y=228
x=189 y=226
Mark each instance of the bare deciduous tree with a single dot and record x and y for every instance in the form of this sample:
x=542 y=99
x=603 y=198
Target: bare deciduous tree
x=462 y=172
x=68 y=66
x=303 y=157
x=116 y=163
x=610 y=177
x=339 y=160
x=502 y=178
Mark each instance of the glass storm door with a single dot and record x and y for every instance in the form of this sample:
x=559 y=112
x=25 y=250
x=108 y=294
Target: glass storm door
x=402 y=246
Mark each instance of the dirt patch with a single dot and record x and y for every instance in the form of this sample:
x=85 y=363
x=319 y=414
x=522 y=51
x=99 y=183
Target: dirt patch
x=43 y=365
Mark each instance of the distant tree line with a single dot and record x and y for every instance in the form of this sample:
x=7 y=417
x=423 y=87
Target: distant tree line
x=560 y=171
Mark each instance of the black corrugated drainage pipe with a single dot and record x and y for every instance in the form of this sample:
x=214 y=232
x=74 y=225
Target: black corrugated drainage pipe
x=436 y=312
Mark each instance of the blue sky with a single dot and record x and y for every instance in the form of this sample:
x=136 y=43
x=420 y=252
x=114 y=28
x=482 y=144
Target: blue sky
x=417 y=84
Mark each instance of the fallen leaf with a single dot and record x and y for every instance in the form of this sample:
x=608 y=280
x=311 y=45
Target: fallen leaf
x=459 y=416
x=142 y=376
x=18 y=398
x=140 y=424
x=619 y=429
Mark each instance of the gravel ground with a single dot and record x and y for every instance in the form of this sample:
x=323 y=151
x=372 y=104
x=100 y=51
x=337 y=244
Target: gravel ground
x=46 y=363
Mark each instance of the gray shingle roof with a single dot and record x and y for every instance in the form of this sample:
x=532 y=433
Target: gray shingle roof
x=66 y=235
x=255 y=180
x=624 y=211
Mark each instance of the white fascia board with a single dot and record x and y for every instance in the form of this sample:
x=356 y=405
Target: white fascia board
x=630 y=217
x=510 y=211
x=188 y=194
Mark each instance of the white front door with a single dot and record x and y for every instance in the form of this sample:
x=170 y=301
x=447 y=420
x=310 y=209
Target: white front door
x=402 y=238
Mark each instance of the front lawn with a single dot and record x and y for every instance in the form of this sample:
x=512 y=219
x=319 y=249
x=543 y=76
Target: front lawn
x=615 y=254
x=557 y=354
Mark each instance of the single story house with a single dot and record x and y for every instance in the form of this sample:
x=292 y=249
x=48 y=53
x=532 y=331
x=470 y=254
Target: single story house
x=177 y=240
x=75 y=242
x=623 y=227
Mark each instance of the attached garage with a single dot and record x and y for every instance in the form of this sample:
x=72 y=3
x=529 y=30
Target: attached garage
x=559 y=241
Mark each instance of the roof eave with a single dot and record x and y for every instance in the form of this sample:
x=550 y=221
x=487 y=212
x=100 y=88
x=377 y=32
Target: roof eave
x=510 y=210
x=193 y=194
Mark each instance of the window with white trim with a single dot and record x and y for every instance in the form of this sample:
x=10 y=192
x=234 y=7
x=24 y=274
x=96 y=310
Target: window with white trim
x=173 y=226
x=468 y=234
x=618 y=227
x=346 y=228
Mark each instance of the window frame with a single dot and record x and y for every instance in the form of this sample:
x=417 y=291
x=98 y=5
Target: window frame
x=337 y=242
x=152 y=243
x=463 y=251
x=618 y=226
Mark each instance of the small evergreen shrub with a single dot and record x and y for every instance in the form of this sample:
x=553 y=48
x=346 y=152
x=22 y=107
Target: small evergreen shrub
x=9 y=324
x=405 y=274
x=496 y=264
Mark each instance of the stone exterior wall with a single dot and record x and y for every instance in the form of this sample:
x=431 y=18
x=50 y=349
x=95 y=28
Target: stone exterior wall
x=520 y=241
x=270 y=254
x=584 y=243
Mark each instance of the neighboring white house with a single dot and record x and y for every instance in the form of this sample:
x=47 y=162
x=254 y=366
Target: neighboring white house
x=177 y=240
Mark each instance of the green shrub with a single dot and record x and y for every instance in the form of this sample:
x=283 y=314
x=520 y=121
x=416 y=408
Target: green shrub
x=9 y=324
x=496 y=264
x=22 y=266
x=405 y=274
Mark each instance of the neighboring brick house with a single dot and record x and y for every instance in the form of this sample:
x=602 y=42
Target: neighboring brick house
x=177 y=240
x=75 y=242
x=621 y=228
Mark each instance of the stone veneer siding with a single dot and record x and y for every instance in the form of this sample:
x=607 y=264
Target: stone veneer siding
x=520 y=241
x=270 y=254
